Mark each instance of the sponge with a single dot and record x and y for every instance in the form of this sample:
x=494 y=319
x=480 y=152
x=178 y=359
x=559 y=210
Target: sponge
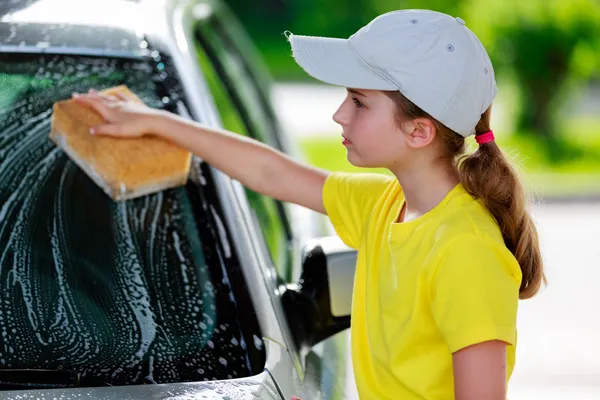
x=125 y=168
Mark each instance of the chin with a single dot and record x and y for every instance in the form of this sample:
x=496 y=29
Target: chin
x=358 y=161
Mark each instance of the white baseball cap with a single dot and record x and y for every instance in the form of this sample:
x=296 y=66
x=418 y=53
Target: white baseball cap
x=433 y=59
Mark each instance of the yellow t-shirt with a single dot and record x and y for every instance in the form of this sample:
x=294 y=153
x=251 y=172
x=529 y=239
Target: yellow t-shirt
x=423 y=289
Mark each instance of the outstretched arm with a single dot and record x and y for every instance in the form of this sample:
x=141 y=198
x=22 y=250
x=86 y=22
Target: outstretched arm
x=257 y=166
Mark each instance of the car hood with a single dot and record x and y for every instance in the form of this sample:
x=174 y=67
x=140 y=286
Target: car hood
x=261 y=386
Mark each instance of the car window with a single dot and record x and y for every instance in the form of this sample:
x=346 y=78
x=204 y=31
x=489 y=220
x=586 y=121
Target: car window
x=249 y=84
x=241 y=105
x=143 y=291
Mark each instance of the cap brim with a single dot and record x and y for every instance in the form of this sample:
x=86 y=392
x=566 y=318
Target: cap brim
x=333 y=61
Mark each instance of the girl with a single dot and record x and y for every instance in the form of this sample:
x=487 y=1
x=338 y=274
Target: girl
x=446 y=248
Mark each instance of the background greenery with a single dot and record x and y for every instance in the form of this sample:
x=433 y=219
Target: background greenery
x=545 y=52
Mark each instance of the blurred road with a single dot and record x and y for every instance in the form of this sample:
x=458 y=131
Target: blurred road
x=558 y=354
x=559 y=330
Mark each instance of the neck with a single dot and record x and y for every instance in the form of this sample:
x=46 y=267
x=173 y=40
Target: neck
x=425 y=188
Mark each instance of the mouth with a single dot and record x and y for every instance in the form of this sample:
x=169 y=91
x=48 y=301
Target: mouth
x=345 y=140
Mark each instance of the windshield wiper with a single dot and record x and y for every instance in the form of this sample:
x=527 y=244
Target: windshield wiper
x=15 y=379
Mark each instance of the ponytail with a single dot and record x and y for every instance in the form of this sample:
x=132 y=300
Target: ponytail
x=487 y=175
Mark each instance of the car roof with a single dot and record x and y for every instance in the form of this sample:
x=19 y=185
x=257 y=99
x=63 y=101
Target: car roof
x=115 y=27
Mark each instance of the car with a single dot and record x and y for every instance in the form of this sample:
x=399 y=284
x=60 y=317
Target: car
x=209 y=290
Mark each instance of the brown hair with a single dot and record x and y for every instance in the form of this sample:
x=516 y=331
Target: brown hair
x=487 y=174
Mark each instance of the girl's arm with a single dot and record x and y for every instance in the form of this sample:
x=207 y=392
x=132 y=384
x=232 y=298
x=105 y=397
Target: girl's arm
x=480 y=371
x=257 y=166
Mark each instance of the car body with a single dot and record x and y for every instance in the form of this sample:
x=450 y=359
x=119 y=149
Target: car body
x=204 y=291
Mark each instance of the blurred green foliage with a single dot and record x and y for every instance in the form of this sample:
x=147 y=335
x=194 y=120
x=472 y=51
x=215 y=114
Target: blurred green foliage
x=541 y=24
x=545 y=48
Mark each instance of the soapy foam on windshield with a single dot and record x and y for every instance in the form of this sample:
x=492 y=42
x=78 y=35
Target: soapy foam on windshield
x=123 y=168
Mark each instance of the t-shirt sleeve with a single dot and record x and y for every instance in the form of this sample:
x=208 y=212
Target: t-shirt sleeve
x=475 y=292
x=349 y=200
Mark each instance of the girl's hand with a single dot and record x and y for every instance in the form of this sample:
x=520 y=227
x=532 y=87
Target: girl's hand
x=123 y=117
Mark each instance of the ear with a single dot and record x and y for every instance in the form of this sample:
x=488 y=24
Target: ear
x=422 y=132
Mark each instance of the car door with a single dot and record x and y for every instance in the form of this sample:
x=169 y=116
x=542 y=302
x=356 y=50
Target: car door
x=241 y=93
x=239 y=104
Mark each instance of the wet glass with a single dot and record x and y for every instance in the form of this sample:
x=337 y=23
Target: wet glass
x=143 y=291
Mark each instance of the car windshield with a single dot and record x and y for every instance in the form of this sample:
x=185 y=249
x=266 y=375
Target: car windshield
x=143 y=291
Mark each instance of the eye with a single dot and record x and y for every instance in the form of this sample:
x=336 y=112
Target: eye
x=357 y=102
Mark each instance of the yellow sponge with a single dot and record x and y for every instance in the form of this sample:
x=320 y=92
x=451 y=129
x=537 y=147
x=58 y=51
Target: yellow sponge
x=123 y=168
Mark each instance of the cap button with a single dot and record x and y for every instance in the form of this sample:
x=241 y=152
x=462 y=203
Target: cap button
x=460 y=21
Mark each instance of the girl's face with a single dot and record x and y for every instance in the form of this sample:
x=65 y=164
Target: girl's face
x=370 y=133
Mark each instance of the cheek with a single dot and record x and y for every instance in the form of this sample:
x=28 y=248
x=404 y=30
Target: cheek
x=373 y=129
x=376 y=142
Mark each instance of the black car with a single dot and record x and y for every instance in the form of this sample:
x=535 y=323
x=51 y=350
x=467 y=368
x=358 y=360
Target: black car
x=205 y=290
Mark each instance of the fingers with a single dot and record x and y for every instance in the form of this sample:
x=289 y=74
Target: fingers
x=106 y=99
x=107 y=130
x=93 y=102
x=94 y=94
x=115 y=97
x=109 y=99
x=121 y=96
x=116 y=120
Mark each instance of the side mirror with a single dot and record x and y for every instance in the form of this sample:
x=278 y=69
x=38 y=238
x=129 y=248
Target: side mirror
x=319 y=304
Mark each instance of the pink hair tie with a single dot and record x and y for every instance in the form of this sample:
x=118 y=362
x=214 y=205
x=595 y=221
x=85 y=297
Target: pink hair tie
x=485 y=137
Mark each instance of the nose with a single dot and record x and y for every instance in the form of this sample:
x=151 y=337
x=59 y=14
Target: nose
x=339 y=116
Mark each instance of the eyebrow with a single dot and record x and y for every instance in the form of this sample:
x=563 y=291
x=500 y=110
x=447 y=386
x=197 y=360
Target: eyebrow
x=356 y=92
